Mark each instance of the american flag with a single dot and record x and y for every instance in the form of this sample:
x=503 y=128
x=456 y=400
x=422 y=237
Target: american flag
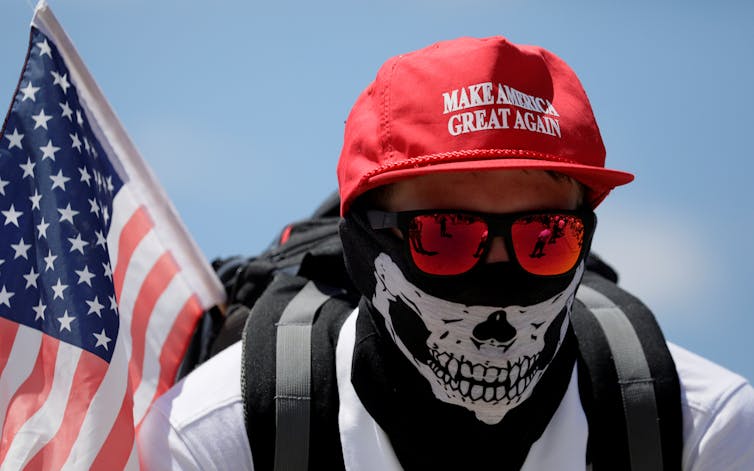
x=100 y=286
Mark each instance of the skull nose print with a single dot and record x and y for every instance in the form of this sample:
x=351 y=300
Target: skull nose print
x=496 y=327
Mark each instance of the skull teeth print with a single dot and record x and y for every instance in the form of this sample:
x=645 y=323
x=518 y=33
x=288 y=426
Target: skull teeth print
x=479 y=382
x=486 y=359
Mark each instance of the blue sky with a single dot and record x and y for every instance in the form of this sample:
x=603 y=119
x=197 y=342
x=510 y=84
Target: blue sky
x=239 y=109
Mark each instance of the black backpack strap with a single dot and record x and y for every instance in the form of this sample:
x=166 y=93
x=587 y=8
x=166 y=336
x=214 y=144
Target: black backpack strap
x=634 y=378
x=293 y=378
x=288 y=377
x=631 y=394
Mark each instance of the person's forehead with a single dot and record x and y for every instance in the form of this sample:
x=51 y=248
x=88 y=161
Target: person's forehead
x=489 y=191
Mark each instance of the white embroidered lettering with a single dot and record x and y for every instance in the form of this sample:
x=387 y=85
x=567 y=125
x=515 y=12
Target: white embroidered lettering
x=539 y=115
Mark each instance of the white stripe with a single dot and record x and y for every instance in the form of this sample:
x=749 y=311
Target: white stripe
x=124 y=206
x=143 y=259
x=133 y=460
x=102 y=411
x=20 y=364
x=165 y=312
x=43 y=425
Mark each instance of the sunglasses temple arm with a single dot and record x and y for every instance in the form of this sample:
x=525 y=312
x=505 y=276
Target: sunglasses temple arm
x=382 y=219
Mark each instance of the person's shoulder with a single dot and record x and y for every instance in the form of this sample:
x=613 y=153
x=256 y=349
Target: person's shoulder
x=214 y=385
x=705 y=385
x=718 y=414
x=198 y=423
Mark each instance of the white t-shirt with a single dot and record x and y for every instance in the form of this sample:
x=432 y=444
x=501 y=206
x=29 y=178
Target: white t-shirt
x=198 y=424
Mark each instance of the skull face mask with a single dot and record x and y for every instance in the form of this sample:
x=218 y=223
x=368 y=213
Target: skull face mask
x=482 y=342
x=484 y=358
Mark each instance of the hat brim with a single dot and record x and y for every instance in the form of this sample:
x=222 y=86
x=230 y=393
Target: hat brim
x=598 y=180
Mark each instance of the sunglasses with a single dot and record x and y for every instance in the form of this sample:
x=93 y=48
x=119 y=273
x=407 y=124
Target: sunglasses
x=450 y=242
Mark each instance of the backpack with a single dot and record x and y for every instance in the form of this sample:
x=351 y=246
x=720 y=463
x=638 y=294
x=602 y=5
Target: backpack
x=288 y=303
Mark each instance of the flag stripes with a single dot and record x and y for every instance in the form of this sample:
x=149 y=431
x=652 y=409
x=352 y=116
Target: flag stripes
x=8 y=331
x=82 y=389
x=173 y=349
x=149 y=286
x=35 y=411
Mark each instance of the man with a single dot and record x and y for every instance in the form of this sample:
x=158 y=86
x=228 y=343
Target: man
x=461 y=354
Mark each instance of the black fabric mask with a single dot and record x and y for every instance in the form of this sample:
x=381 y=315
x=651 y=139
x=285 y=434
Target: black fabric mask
x=482 y=341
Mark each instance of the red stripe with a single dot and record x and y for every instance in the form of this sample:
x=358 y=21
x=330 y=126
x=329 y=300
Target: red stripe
x=176 y=344
x=87 y=378
x=31 y=395
x=116 y=450
x=286 y=234
x=8 y=330
x=137 y=227
x=152 y=287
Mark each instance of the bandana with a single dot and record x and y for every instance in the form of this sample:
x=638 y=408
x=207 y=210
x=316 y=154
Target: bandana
x=478 y=344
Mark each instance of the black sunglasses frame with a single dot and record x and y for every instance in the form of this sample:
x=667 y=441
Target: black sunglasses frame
x=497 y=225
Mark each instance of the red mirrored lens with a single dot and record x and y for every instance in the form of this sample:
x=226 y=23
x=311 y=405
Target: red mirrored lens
x=548 y=244
x=446 y=244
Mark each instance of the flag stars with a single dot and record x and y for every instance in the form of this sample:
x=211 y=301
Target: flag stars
x=65 y=321
x=48 y=151
x=58 y=289
x=40 y=120
x=95 y=307
x=50 y=261
x=42 y=228
x=75 y=141
x=21 y=249
x=59 y=180
x=5 y=296
x=31 y=278
x=44 y=49
x=45 y=284
x=97 y=178
x=85 y=276
x=66 y=112
x=35 y=199
x=30 y=92
x=85 y=177
x=108 y=271
x=93 y=206
x=66 y=214
x=102 y=339
x=100 y=239
x=28 y=168
x=77 y=243
x=39 y=311
x=61 y=80
x=11 y=216
x=15 y=139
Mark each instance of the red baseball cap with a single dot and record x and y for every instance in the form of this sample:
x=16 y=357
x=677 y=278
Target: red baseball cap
x=469 y=105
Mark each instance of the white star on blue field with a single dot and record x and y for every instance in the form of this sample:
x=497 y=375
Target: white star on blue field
x=239 y=109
